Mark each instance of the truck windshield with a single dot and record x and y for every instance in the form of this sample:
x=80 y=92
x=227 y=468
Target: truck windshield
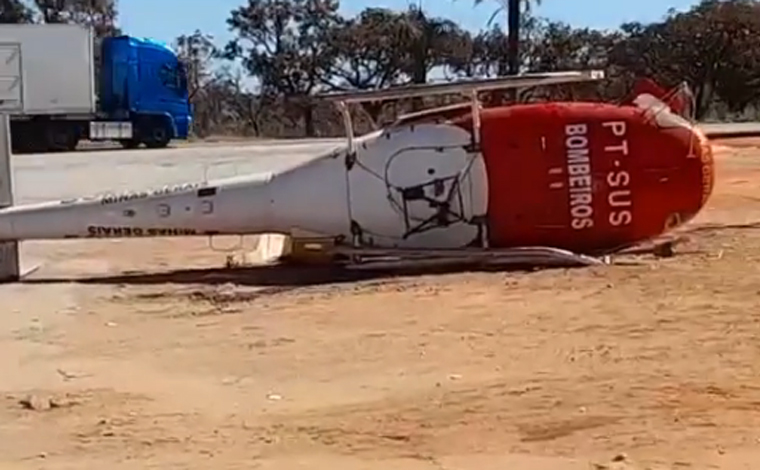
x=174 y=77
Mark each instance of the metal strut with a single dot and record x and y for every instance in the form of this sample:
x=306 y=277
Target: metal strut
x=348 y=125
x=349 y=129
x=475 y=111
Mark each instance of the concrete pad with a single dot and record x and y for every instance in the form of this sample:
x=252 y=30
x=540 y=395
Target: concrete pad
x=270 y=248
x=730 y=129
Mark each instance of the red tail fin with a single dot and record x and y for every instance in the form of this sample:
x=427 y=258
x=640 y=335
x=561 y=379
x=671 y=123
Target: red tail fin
x=679 y=99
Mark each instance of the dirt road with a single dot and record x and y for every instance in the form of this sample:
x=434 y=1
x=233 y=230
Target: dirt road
x=654 y=359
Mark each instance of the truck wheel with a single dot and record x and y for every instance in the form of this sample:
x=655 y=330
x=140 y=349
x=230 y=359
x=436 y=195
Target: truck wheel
x=158 y=139
x=72 y=143
x=62 y=138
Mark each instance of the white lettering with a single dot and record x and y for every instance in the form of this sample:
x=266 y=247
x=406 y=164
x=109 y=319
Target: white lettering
x=620 y=218
x=582 y=199
x=579 y=170
x=576 y=129
x=582 y=212
x=618 y=127
x=621 y=196
x=622 y=148
x=580 y=224
x=576 y=142
x=615 y=179
x=580 y=181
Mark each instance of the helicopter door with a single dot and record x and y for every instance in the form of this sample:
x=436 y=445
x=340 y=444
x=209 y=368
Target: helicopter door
x=418 y=187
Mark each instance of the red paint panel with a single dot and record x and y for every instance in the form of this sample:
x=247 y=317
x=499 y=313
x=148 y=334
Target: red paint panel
x=587 y=176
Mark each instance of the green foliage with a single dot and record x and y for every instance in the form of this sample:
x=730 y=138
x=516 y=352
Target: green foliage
x=293 y=49
x=300 y=47
x=285 y=43
x=100 y=15
x=15 y=11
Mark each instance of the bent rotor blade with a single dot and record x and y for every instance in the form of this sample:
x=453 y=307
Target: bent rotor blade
x=533 y=256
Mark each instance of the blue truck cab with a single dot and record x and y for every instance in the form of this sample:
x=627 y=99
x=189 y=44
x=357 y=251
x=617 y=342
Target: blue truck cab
x=144 y=82
x=142 y=99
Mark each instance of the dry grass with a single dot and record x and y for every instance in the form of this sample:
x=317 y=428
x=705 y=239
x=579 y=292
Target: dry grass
x=657 y=359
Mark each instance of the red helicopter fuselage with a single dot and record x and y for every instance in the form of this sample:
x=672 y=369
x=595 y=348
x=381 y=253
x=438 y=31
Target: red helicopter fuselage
x=590 y=177
x=587 y=177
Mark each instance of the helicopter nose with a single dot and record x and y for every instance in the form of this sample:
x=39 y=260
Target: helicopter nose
x=691 y=174
x=706 y=164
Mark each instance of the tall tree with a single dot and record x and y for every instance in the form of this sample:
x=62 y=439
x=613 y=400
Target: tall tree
x=100 y=15
x=15 y=11
x=197 y=51
x=285 y=45
x=514 y=10
x=369 y=53
x=427 y=42
x=368 y=50
x=715 y=47
x=559 y=46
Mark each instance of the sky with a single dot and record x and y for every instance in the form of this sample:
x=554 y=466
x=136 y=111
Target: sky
x=164 y=20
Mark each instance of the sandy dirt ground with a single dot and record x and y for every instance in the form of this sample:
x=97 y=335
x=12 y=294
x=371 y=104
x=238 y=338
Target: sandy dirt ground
x=137 y=355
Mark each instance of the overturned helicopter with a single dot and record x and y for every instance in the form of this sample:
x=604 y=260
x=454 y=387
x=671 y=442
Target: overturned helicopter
x=543 y=183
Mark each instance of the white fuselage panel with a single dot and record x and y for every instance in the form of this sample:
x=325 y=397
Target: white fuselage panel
x=409 y=187
x=418 y=186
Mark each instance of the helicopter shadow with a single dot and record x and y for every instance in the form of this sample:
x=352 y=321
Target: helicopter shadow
x=275 y=276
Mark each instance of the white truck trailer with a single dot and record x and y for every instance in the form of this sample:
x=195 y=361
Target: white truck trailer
x=48 y=72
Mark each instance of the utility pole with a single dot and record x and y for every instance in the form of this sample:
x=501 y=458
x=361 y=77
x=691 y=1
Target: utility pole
x=513 y=38
x=10 y=269
x=11 y=102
